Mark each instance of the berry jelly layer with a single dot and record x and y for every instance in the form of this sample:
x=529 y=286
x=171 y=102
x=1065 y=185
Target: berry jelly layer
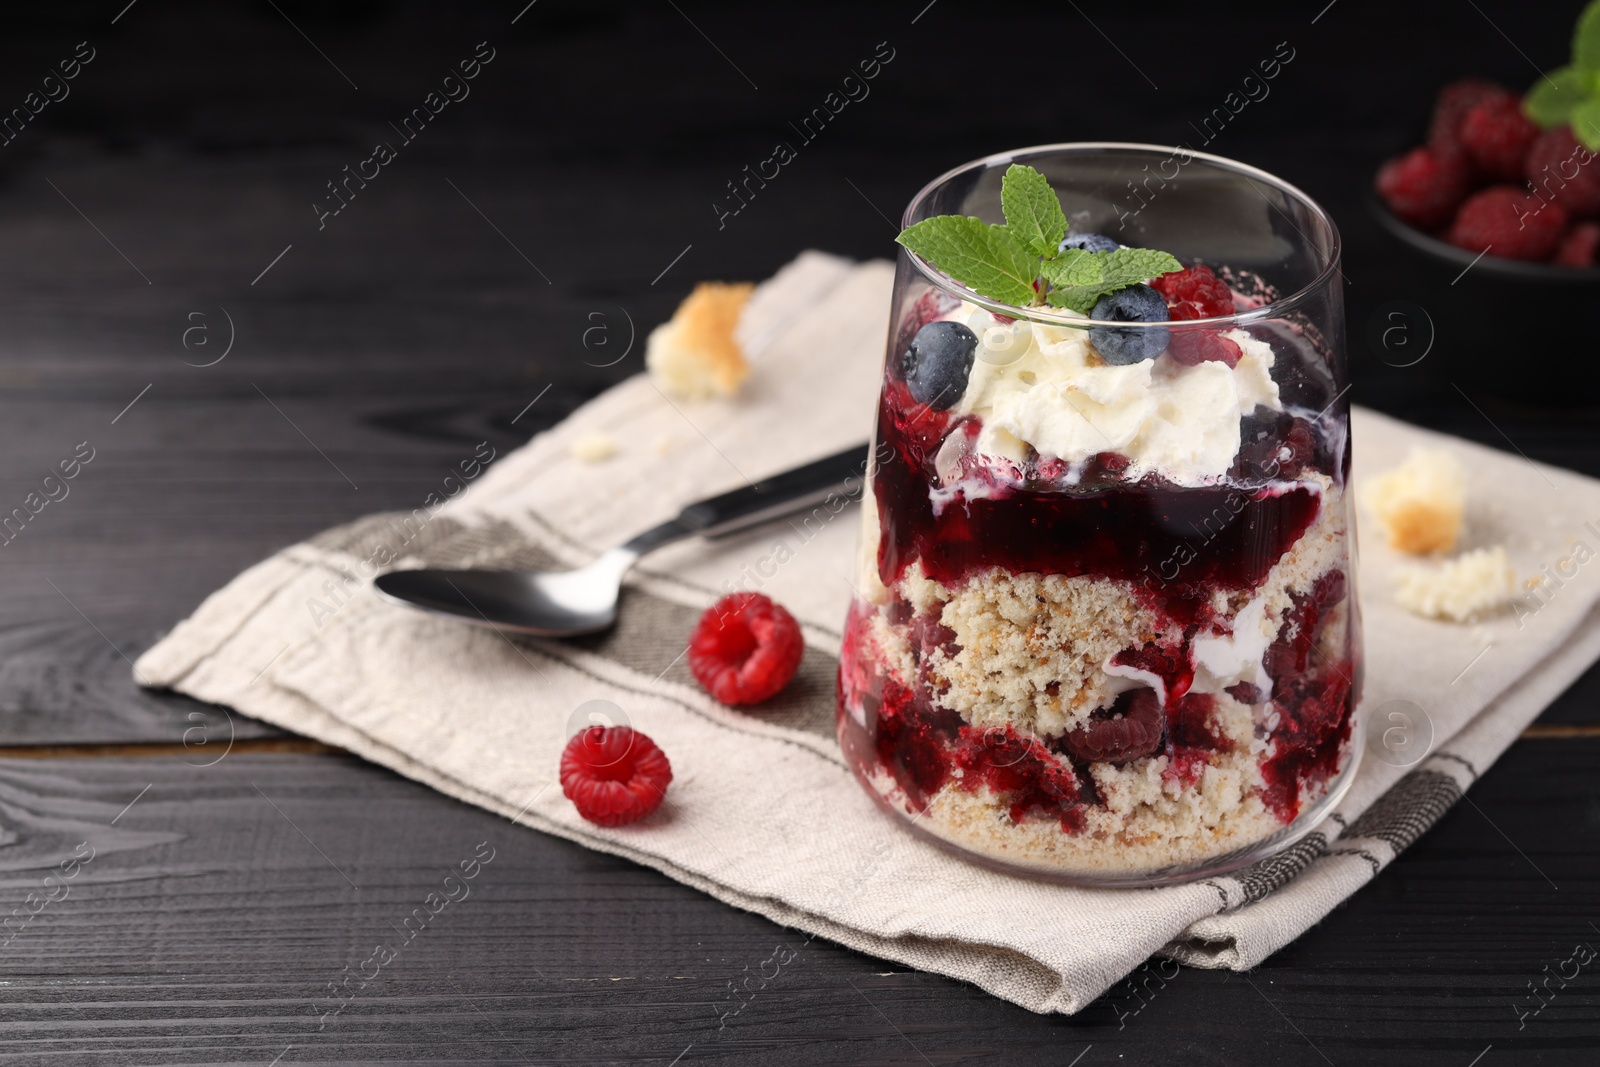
x=1178 y=543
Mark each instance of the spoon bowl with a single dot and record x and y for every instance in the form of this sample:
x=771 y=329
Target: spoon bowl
x=545 y=604
x=584 y=601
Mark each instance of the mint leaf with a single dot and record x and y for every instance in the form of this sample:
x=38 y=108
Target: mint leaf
x=1586 y=123
x=1033 y=211
x=986 y=258
x=1129 y=266
x=1586 y=39
x=1555 y=96
x=1081 y=298
x=1074 y=267
x=1079 y=283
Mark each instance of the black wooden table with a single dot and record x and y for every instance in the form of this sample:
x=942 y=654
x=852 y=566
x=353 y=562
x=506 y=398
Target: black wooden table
x=248 y=368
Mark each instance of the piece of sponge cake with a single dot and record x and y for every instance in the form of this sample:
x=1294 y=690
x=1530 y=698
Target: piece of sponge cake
x=1470 y=585
x=693 y=356
x=1420 y=503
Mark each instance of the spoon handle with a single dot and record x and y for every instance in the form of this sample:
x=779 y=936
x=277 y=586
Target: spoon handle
x=836 y=477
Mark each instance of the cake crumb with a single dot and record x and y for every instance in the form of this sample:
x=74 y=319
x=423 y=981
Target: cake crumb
x=694 y=356
x=1459 y=590
x=1420 y=503
x=593 y=446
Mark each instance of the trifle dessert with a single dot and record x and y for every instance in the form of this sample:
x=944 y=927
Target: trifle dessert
x=1104 y=623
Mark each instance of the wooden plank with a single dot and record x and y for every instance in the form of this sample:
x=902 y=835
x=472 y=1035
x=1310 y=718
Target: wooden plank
x=218 y=907
x=159 y=519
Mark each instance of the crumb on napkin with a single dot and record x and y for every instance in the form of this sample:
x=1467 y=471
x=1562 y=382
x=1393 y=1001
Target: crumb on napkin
x=593 y=446
x=1419 y=504
x=1467 y=586
x=693 y=355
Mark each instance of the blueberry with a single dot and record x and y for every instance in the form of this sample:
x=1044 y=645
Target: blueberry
x=936 y=363
x=1093 y=242
x=1136 y=303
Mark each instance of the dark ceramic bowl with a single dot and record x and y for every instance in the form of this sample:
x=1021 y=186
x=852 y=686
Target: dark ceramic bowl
x=1491 y=322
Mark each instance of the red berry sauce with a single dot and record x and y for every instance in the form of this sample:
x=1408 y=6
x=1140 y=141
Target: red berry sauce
x=1176 y=544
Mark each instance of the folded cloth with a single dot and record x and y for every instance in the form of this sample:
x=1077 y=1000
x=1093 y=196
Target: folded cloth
x=763 y=812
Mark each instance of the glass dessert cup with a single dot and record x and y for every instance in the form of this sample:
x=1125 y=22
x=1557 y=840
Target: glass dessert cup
x=1105 y=627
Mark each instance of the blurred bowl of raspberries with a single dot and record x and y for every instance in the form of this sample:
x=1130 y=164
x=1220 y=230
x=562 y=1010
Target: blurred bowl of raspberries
x=1495 y=210
x=1490 y=183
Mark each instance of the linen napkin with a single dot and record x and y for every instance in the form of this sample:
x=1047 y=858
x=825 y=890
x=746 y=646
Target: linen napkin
x=762 y=812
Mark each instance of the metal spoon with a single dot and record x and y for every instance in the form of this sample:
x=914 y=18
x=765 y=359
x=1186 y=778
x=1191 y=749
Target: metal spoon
x=584 y=601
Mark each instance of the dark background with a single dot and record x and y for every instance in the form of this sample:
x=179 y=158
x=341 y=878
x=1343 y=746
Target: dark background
x=455 y=290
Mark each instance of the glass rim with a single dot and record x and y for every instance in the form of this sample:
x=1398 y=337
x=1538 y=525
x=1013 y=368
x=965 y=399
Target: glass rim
x=1051 y=316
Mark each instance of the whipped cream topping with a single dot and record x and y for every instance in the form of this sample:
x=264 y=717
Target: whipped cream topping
x=1043 y=385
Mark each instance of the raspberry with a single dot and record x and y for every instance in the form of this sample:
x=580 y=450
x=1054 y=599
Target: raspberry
x=1329 y=589
x=1261 y=444
x=1103 y=469
x=1194 y=293
x=911 y=740
x=1509 y=223
x=1497 y=135
x=1192 y=726
x=929 y=635
x=1314 y=720
x=1312 y=708
x=1199 y=346
x=1050 y=469
x=1565 y=171
x=1128 y=730
x=1455 y=100
x=614 y=775
x=745 y=648
x=917 y=424
x=1168 y=662
x=1111 y=462
x=1579 y=246
x=1185 y=765
x=1290 y=655
x=1423 y=186
x=1197 y=293
x=1299 y=448
x=1245 y=693
x=1031 y=776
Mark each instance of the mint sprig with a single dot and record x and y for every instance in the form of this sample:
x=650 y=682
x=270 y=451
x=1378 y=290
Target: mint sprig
x=1021 y=262
x=1571 y=94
